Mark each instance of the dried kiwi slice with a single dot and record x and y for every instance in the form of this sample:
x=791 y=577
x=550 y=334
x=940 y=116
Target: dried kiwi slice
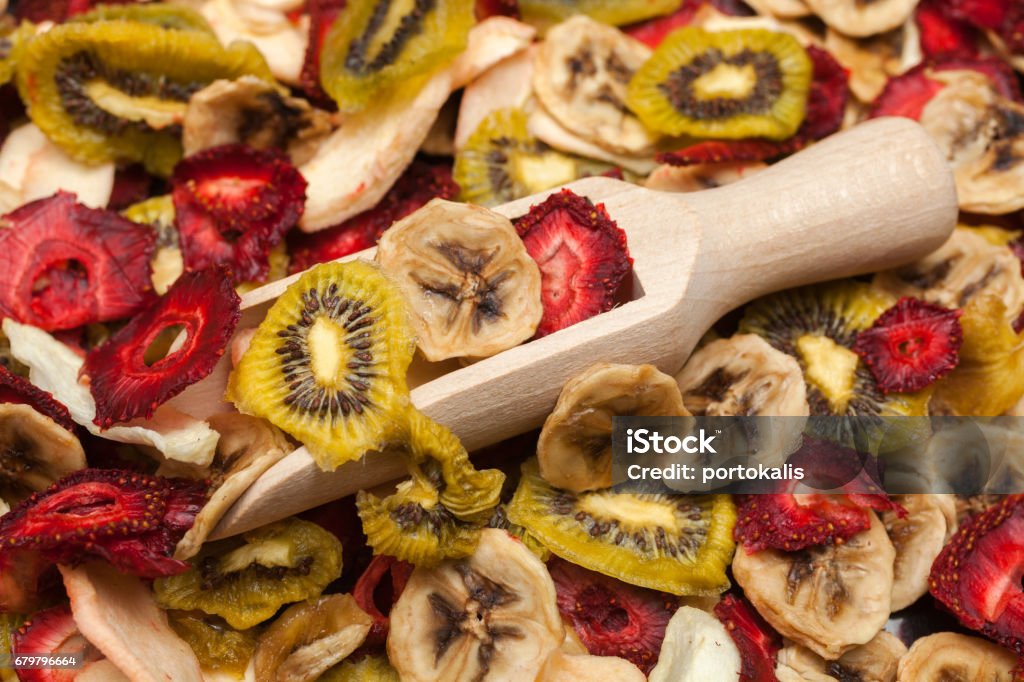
x=379 y=45
x=118 y=90
x=160 y=14
x=438 y=513
x=217 y=645
x=327 y=365
x=373 y=668
x=12 y=38
x=246 y=581
x=673 y=543
x=615 y=12
x=724 y=84
x=502 y=161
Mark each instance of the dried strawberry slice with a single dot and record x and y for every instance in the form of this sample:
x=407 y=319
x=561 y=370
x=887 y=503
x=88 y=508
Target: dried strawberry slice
x=1004 y=17
x=63 y=265
x=322 y=14
x=377 y=590
x=16 y=389
x=582 y=255
x=653 y=31
x=51 y=632
x=942 y=35
x=977 y=575
x=205 y=306
x=420 y=183
x=758 y=643
x=610 y=617
x=233 y=204
x=826 y=106
x=131 y=520
x=911 y=345
x=496 y=8
x=132 y=184
x=908 y=94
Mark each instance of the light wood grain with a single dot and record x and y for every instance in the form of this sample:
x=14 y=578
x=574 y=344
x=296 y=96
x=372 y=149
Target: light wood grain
x=874 y=197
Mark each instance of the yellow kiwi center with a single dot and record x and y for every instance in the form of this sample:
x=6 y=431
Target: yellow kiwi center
x=730 y=81
x=544 y=172
x=155 y=112
x=638 y=511
x=830 y=368
x=328 y=353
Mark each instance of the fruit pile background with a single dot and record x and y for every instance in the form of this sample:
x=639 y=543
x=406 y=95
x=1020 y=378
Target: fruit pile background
x=162 y=161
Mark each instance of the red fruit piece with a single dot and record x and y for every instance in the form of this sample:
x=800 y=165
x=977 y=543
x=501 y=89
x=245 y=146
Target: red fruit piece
x=57 y=10
x=15 y=389
x=205 y=306
x=610 y=617
x=232 y=205
x=131 y=520
x=496 y=8
x=132 y=184
x=826 y=106
x=791 y=522
x=911 y=345
x=977 y=575
x=322 y=14
x=420 y=183
x=908 y=94
x=941 y=34
x=653 y=31
x=377 y=590
x=63 y=265
x=758 y=643
x=582 y=255
x=51 y=632
x=1004 y=17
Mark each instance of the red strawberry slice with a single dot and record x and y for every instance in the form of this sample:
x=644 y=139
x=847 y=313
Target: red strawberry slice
x=1004 y=17
x=826 y=106
x=377 y=590
x=977 y=575
x=132 y=184
x=911 y=345
x=322 y=14
x=942 y=35
x=18 y=390
x=582 y=256
x=610 y=617
x=51 y=632
x=653 y=31
x=204 y=306
x=58 y=10
x=63 y=265
x=131 y=520
x=232 y=205
x=758 y=643
x=420 y=183
x=908 y=94
x=496 y=8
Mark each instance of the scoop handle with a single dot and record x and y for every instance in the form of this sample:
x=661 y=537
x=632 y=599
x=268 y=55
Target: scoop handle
x=868 y=199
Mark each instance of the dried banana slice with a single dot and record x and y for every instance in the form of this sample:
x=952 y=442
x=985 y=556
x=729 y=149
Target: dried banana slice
x=562 y=667
x=951 y=656
x=666 y=178
x=308 y=638
x=575 y=446
x=743 y=375
x=472 y=288
x=831 y=598
x=581 y=74
x=781 y=9
x=873 y=61
x=247 y=447
x=4 y=507
x=281 y=41
x=697 y=647
x=965 y=267
x=860 y=19
x=982 y=135
x=34 y=451
x=253 y=112
x=491 y=616
x=875 y=661
x=918 y=538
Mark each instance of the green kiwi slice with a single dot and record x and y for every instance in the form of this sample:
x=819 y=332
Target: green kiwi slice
x=614 y=12
x=117 y=90
x=377 y=45
x=674 y=543
x=502 y=161
x=724 y=84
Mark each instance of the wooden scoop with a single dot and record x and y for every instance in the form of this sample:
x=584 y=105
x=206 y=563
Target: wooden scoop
x=872 y=198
